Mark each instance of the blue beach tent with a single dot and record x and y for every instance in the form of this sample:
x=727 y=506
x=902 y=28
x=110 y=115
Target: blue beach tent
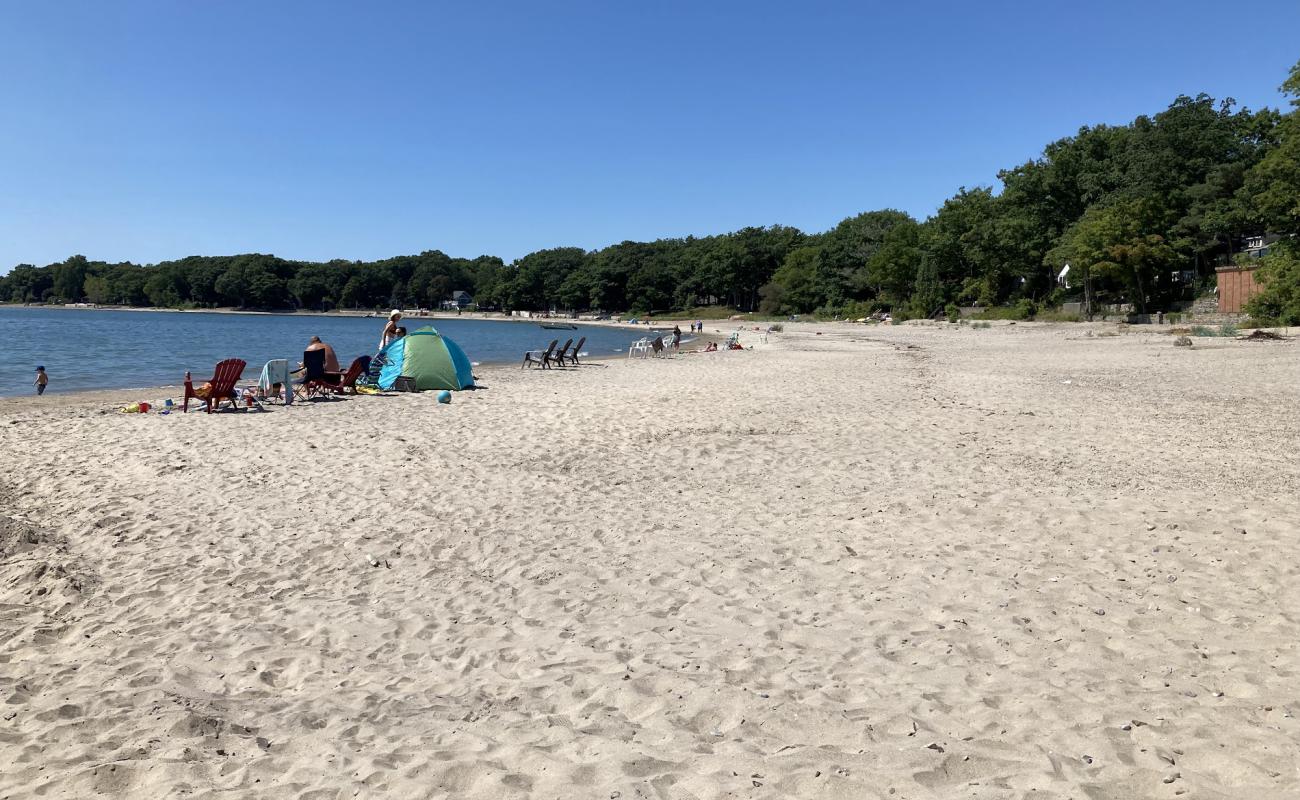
x=430 y=359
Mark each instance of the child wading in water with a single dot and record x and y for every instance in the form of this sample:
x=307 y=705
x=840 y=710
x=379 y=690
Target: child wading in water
x=41 y=380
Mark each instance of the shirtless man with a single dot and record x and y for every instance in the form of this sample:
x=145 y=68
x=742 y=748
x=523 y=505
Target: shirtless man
x=331 y=360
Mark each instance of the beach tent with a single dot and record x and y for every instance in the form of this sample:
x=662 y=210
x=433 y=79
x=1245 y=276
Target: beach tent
x=429 y=359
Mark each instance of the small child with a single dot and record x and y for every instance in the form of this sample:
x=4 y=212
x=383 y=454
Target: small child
x=41 y=380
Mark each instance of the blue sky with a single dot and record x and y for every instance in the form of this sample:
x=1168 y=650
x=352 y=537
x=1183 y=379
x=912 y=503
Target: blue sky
x=155 y=130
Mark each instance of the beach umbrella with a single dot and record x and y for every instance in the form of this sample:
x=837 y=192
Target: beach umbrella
x=428 y=359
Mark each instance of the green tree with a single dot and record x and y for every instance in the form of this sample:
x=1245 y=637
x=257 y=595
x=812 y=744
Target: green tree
x=97 y=290
x=847 y=250
x=166 y=287
x=1273 y=185
x=794 y=287
x=1279 y=298
x=26 y=283
x=892 y=269
x=928 y=298
x=1121 y=247
x=315 y=286
x=70 y=278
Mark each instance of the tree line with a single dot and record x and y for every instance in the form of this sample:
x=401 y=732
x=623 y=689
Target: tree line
x=1145 y=211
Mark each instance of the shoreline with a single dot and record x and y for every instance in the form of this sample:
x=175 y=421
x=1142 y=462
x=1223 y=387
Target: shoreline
x=483 y=316
x=126 y=395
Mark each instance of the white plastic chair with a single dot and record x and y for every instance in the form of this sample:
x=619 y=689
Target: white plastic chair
x=641 y=346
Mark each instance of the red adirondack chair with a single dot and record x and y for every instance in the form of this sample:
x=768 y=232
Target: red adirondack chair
x=224 y=377
x=358 y=368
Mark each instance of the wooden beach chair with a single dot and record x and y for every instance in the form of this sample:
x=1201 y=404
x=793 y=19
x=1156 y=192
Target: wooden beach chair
x=577 y=348
x=224 y=377
x=359 y=366
x=560 y=355
x=539 y=357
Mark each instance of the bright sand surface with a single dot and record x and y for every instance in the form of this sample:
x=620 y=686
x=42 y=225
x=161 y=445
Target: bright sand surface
x=909 y=562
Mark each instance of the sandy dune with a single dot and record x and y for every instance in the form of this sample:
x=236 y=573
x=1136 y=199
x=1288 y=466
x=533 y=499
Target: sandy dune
x=916 y=562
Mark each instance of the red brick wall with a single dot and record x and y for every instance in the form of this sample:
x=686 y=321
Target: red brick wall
x=1236 y=286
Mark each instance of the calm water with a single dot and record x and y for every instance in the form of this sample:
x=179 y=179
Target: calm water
x=85 y=349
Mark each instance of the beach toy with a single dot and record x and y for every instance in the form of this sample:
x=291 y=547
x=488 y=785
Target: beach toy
x=444 y=396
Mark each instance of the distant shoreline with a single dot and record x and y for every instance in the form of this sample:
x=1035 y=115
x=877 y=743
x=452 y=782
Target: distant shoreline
x=485 y=316
x=10 y=400
x=124 y=395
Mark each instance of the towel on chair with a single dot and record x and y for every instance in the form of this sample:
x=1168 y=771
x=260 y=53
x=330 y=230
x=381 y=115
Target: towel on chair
x=276 y=371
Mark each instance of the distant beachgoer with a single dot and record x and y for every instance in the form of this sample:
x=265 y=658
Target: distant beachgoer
x=699 y=325
x=331 y=360
x=390 y=328
x=677 y=337
x=42 y=380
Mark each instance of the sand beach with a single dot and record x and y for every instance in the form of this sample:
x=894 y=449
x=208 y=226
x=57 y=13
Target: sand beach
x=921 y=561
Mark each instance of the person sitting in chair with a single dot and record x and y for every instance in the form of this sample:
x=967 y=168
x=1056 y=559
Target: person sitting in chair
x=331 y=360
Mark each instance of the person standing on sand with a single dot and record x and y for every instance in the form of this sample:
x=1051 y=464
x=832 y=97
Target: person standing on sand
x=390 y=329
x=42 y=380
x=677 y=337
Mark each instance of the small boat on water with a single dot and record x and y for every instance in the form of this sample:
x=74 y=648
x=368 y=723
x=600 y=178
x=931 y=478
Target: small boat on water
x=558 y=326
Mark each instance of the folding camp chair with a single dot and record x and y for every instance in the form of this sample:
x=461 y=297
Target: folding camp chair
x=316 y=380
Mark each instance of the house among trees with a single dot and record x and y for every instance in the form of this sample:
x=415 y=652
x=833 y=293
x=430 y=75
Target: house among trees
x=459 y=301
x=1257 y=246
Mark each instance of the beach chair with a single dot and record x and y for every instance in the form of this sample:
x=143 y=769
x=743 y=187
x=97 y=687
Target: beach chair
x=561 y=354
x=359 y=367
x=224 y=377
x=539 y=357
x=315 y=380
x=276 y=373
x=375 y=367
x=640 y=346
x=577 y=348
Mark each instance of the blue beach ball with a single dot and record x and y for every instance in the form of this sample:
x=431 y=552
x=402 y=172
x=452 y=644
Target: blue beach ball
x=444 y=396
